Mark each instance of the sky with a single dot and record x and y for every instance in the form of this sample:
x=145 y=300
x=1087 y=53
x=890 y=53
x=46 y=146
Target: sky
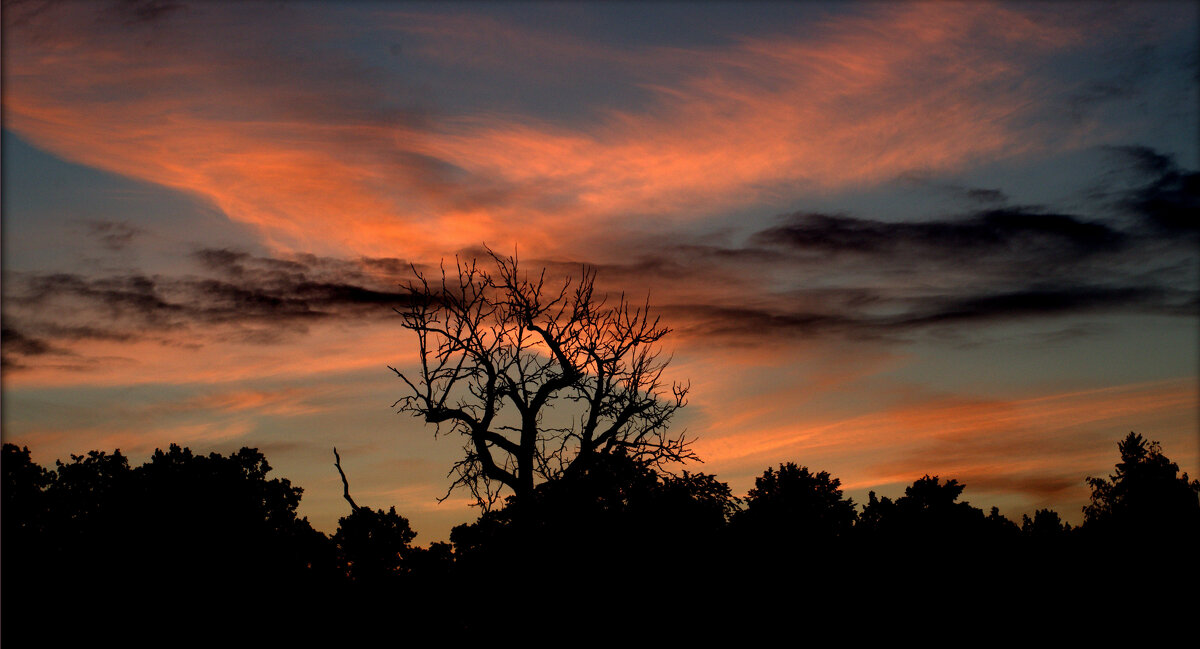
x=891 y=240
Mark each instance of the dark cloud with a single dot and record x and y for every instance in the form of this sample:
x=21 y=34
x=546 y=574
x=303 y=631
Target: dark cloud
x=840 y=274
x=878 y=314
x=1143 y=161
x=145 y=11
x=1169 y=199
x=1042 y=487
x=86 y=332
x=114 y=296
x=240 y=296
x=745 y=322
x=986 y=195
x=18 y=343
x=223 y=260
x=1090 y=96
x=15 y=346
x=990 y=232
x=975 y=195
x=811 y=274
x=387 y=266
x=1039 y=301
x=113 y=235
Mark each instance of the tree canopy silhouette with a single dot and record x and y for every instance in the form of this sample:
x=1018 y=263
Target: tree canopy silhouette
x=178 y=538
x=929 y=510
x=190 y=538
x=537 y=378
x=793 y=505
x=612 y=523
x=1146 y=497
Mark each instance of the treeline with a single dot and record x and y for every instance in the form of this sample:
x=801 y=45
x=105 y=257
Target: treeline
x=188 y=538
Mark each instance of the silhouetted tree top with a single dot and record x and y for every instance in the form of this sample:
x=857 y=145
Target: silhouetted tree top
x=1145 y=497
x=794 y=504
x=617 y=517
x=219 y=512
x=374 y=547
x=1045 y=525
x=183 y=541
x=373 y=544
x=502 y=351
x=928 y=509
x=1000 y=527
x=23 y=500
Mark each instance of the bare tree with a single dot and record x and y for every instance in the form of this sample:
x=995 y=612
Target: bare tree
x=536 y=378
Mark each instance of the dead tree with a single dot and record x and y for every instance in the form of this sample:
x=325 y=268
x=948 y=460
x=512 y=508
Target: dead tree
x=537 y=379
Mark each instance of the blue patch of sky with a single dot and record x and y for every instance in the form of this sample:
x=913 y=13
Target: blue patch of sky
x=50 y=205
x=574 y=91
x=1076 y=351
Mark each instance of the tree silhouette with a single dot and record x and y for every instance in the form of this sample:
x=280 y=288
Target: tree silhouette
x=612 y=521
x=179 y=539
x=372 y=544
x=1145 y=498
x=501 y=351
x=226 y=512
x=928 y=511
x=793 y=505
x=1045 y=526
x=23 y=498
x=374 y=547
x=1000 y=527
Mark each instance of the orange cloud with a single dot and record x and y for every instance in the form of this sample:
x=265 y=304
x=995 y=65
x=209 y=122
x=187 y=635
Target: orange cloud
x=176 y=359
x=319 y=163
x=283 y=402
x=1037 y=445
x=317 y=157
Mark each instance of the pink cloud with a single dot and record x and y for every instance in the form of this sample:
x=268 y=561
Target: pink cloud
x=1033 y=445
x=285 y=147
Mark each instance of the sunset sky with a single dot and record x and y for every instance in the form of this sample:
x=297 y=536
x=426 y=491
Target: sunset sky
x=956 y=239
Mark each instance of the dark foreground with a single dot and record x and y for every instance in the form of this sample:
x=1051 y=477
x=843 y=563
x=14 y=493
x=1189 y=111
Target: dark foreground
x=189 y=548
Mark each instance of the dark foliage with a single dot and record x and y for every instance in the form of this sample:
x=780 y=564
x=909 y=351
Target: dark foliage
x=1046 y=525
x=181 y=539
x=928 y=511
x=373 y=544
x=794 y=507
x=1146 y=499
x=617 y=514
x=186 y=541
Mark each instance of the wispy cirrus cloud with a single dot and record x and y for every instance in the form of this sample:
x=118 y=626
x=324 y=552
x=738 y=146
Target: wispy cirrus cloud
x=333 y=154
x=113 y=235
x=236 y=289
x=809 y=275
x=749 y=181
x=1040 y=447
x=70 y=324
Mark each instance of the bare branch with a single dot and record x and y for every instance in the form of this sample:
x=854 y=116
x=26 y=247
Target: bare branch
x=337 y=462
x=498 y=351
